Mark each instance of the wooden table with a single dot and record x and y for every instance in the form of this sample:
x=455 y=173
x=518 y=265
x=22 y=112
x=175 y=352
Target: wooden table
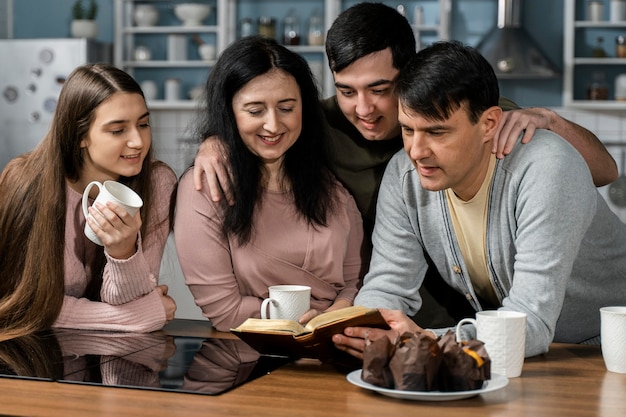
x=571 y=380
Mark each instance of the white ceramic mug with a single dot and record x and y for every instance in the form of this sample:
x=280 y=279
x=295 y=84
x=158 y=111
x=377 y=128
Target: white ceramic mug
x=110 y=191
x=613 y=337
x=504 y=335
x=287 y=302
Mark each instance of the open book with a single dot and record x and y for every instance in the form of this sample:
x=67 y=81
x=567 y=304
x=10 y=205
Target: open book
x=314 y=340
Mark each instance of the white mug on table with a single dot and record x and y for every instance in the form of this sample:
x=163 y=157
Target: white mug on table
x=613 y=337
x=110 y=191
x=287 y=302
x=504 y=335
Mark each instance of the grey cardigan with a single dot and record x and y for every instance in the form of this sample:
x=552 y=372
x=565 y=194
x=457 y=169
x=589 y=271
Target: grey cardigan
x=554 y=248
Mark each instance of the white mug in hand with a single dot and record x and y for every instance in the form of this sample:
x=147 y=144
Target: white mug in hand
x=504 y=335
x=287 y=302
x=613 y=338
x=110 y=191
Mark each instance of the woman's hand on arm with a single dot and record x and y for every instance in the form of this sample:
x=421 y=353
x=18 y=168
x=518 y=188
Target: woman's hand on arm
x=211 y=162
x=513 y=122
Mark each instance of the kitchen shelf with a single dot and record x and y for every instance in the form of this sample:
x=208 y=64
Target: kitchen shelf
x=597 y=105
x=170 y=29
x=303 y=49
x=168 y=64
x=580 y=66
x=221 y=29
x=173 y=104
x=600 y=61
x=598 y=25
x=161 y=66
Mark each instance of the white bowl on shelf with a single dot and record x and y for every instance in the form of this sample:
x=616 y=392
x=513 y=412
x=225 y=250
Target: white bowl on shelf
x=145 y=15
x=192 y=14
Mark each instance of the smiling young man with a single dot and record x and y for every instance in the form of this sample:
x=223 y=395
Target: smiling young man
x=527 y=233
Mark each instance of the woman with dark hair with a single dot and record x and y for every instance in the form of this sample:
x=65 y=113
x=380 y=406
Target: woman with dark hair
x=292 y=222
x=51 y=274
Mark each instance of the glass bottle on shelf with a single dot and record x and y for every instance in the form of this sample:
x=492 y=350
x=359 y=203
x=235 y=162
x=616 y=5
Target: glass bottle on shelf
x=316 y=29
x=598 y=50
x=246 y=27
x=267 y=27
x=598 y=89
x=291 y=29
x=620 y=46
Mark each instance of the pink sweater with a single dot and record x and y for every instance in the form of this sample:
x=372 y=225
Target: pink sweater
x=129 y=300
x=229 y=282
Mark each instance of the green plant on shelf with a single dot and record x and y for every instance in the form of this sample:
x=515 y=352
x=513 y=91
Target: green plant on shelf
x=80 y=11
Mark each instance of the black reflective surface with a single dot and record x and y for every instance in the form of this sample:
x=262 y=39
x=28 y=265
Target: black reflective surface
x=152 y=361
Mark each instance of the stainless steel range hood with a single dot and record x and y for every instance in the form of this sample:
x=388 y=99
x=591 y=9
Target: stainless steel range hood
x=510 y=49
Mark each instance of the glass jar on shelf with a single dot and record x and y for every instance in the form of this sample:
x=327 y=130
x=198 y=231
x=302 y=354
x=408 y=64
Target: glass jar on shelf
x=620 y=46
x=598 y=89
x=598 y=50
x=316 y=29
x=291 y=29
x=267 y=27
x=246 y=27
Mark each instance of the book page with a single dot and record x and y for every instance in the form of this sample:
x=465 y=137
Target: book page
x=271 y=326
x=336 y=315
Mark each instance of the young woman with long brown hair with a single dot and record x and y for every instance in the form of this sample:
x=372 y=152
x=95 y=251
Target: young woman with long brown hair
x=50 y=273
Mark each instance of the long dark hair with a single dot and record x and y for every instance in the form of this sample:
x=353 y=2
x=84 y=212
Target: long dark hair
x=305 y=165
x=33 y=204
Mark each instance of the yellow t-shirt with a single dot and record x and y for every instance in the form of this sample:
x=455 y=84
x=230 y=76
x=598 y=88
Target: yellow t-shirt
x=470 y=224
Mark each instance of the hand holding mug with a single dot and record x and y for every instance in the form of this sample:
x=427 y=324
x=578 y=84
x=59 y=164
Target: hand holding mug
x=113 y=221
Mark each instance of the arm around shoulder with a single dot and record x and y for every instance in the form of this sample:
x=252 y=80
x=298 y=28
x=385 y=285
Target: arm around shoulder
x=515 y=122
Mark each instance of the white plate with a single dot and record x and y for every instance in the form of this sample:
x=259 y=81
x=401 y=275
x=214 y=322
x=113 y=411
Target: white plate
x=495 y=383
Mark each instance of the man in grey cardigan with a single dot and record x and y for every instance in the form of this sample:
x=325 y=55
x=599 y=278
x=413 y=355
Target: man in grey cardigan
x=527 y=233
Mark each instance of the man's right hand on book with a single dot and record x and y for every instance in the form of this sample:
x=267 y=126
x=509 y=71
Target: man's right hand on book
x=352 y=340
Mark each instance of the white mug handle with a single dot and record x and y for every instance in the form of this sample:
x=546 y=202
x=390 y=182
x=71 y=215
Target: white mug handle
x=460 y=324
x=86 y=196
x=264 y=304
